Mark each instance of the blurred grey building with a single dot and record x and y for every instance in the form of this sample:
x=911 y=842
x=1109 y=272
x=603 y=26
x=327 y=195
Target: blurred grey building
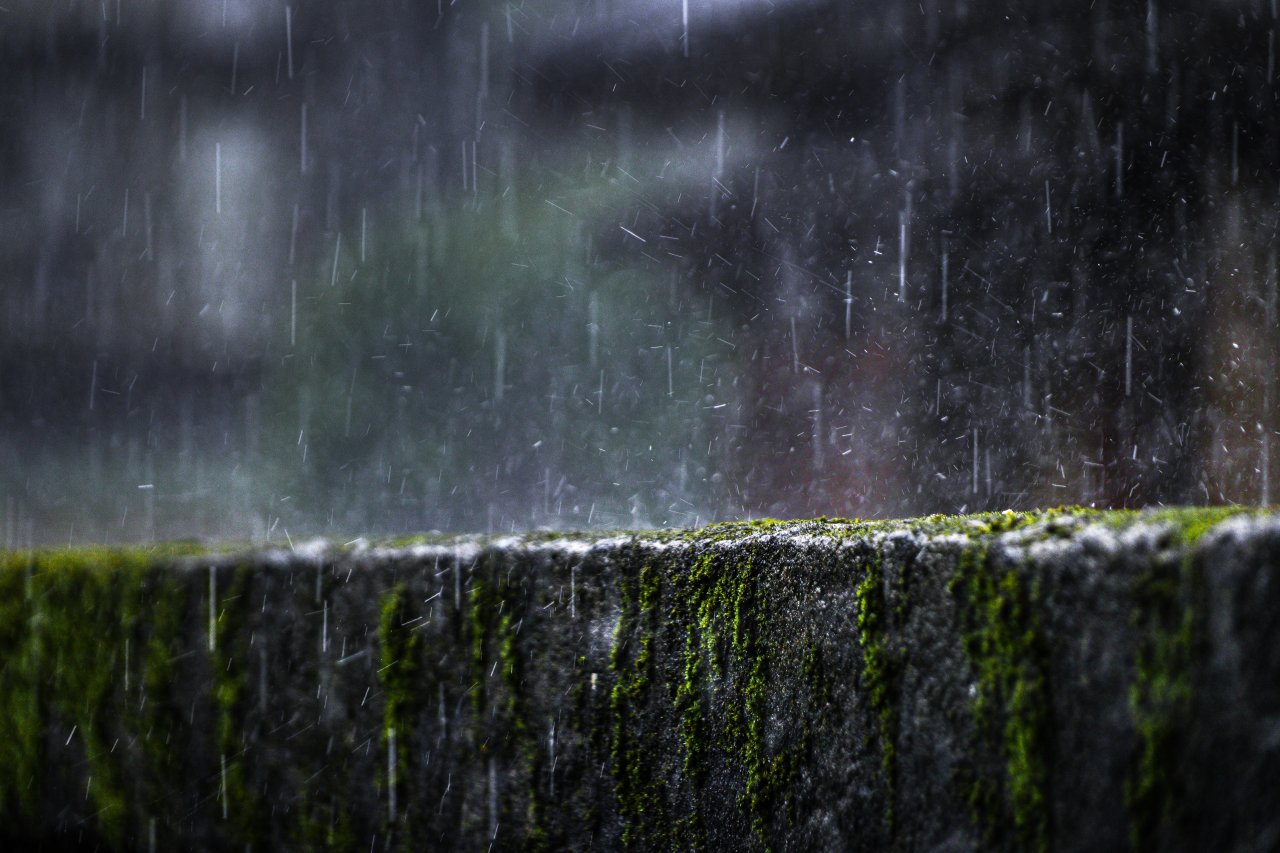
x=275 y=269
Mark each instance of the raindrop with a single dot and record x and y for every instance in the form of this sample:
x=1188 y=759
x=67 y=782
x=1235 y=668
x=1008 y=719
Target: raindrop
x=946 y=264
x=1119 y=155
x=213 y=609
x=973 y=489
x=684 y=22
x=288 y=47
x=1128 y=355
x=217 y=178
x=1048 y=210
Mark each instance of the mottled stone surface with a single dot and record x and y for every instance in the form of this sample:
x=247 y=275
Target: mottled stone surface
x=1068 y=680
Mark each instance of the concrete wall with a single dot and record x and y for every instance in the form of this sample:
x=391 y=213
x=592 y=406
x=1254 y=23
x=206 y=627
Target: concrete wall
x=1064 y=680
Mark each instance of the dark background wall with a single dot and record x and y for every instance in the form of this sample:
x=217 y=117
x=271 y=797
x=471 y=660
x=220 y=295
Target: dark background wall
x=272 y=269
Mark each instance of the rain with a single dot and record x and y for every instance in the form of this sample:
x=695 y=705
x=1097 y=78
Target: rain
x=274 y=270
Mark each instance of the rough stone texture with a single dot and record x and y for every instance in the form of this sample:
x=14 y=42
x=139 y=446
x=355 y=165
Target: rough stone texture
x=1066 y=680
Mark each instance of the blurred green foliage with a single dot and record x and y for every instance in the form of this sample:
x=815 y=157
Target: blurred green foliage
x=509 y=338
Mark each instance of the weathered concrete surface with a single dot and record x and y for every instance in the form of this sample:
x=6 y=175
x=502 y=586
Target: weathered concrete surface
x=1065 y=680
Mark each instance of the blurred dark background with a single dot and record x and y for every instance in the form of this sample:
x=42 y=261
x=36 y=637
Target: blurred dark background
x=272 y=269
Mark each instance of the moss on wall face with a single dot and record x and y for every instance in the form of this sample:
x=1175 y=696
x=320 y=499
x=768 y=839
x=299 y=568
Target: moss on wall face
x=827 y=684
x=19 y=701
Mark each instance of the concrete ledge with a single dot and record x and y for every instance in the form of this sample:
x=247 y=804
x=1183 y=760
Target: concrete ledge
x=1058 y=680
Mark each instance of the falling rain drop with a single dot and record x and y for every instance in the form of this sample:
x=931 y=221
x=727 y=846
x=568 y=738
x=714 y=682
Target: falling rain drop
x=973 y=488
x=217 y=178
x=848 y=303
x=1128 y=355
x=288 y=48
x=684 y=22
x=213 y=608
x=946 y=263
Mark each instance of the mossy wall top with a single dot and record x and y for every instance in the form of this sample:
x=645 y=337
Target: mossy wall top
x=1059 y=680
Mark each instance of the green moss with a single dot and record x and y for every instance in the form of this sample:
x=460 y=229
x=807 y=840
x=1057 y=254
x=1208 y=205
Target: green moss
x=481 y=608
x=20 y=675
x=1005 y=645
x=720 y=633
x=689 y=707
x=702 y=595
x=637 y=779
x=249 y=821
x=725 y=685
x=518 y=738
x=699 y=683
x=1170 y=628
x=716 y=683
x=882 y=669
x=500 y=707
x=583 y=725
x=766 y=776
x=159 y=718
x=769 y=778
x=75 y=636
x=398 y=672
x=1187 y=524
x=84 y=605
x=325 y=824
